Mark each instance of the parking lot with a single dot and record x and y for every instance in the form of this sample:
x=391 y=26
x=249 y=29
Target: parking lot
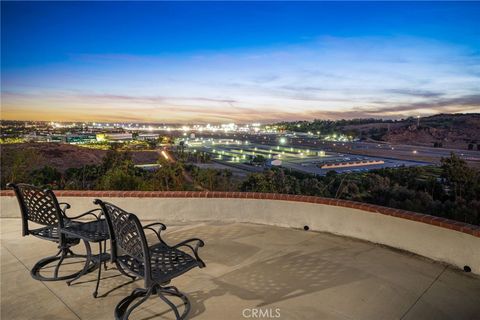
x=240 y=153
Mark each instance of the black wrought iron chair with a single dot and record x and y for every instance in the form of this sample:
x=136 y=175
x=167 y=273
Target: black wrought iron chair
x=42 y=207
x=157 y=264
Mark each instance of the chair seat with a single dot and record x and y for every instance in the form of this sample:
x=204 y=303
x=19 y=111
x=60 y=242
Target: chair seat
x=51 y=233
x=166 y=263
x=92 y=231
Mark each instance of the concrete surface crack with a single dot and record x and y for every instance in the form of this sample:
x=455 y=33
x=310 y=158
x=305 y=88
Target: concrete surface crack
x=63 y=302
x=423 y=293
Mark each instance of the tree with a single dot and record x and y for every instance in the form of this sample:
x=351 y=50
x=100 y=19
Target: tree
x=459 y=177
x=17 y=164
x=170 y=176
x=283 y=183
x=256 y=182
x=207 y=178
x=259 y=160
x=84 y=178
x=115 y=158
x=121 y=177
x=311 y=187
x=46 y=177
x=274 y=180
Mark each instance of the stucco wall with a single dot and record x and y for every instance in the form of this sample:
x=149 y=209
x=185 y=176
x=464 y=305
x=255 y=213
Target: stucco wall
x=435 y=242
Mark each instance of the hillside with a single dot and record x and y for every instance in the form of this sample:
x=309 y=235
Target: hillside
x=454 y=131
x=64 y=156
x=448 y=130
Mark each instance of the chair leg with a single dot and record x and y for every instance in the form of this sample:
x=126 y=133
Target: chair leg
x=87 y=267
x=147 y=295
x=122 y=271
x=59 y=252
x=123 y=311
x=170 y=304
x=60 y=256
x=95 y=293
x=105 y=251
x=171 y=290
x=57 y=267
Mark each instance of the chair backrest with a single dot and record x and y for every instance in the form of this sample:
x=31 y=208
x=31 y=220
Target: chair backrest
x=37 y=205
x=126 y=234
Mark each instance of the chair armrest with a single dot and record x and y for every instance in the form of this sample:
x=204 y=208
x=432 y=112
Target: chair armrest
x=65 y=207
x=91 y=212
x=162 y=226
x=157 y=233
x=186 y=243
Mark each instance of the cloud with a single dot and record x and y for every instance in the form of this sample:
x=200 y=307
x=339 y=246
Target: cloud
x=150 y=99
x=469 y=103
x=325 y=77
x=416 y=93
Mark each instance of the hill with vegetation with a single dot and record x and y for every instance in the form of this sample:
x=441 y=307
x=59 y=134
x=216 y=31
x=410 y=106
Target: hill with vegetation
x=451 y=190
x=458 y=131
x=61 y=156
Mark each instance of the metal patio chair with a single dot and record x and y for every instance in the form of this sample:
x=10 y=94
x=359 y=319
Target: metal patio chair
x=42 y=208
x=157 y=264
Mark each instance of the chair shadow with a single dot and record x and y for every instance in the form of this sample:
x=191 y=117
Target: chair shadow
x=117 y=280
x=290 y=275
x=211 y=233
x=272 y=280
x=281 y=278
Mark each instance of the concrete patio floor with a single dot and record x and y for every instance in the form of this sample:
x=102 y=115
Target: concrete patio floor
x=291 y=273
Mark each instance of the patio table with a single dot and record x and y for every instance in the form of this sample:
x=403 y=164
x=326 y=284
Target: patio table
x=95 y=232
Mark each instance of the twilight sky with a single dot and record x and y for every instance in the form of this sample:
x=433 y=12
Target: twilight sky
x=243 y=62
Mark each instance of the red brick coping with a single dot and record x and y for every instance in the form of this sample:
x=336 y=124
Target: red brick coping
x=419 y=217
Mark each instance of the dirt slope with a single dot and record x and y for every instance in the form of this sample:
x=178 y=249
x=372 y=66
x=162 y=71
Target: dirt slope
x=64 y=156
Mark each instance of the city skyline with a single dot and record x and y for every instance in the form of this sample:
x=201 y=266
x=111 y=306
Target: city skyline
x=237 y=62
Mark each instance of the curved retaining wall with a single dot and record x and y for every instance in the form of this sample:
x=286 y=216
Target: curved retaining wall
x=440 y=239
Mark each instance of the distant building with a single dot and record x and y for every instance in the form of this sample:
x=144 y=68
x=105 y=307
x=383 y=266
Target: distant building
x=81 y=138
x=34 y=137
x=117 y=137
x=59 y=138
x=148 y=136
x=351 y=164
x=148 y=167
